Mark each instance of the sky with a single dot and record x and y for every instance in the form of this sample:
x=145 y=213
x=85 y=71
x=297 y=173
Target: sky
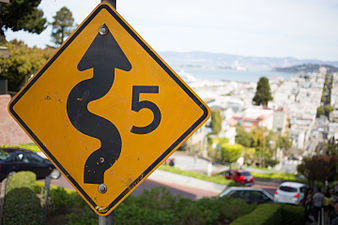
x=305 y=29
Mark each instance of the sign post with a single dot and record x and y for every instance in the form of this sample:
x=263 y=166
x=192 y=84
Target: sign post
x=107 y=110
x=108 y=219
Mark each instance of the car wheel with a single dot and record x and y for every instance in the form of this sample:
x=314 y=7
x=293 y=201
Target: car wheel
x=55 y=174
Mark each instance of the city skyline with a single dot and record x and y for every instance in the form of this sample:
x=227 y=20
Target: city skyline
x=302 y=29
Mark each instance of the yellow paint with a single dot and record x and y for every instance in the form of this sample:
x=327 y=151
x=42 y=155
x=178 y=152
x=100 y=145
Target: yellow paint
x=43 y=110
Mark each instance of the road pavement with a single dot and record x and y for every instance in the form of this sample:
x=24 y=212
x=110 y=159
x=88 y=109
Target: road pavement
x=181 y=185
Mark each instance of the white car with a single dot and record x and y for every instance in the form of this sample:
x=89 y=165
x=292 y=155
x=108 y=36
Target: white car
x=290 y=192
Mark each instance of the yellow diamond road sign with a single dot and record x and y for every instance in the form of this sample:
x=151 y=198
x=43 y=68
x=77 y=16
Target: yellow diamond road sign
x=107 y=110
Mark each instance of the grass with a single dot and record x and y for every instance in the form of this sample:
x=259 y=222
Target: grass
x=280 y=176
x=30 y=146
x=222 y=180
x=214 y=179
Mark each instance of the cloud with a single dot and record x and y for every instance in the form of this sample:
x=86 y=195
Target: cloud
x=302 y=28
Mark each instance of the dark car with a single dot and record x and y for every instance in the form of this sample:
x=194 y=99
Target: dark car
x=240 y=176
x=250 y=195
x=17 y=159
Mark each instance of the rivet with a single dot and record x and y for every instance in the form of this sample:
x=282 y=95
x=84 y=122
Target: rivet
x=103 y=30
x=102 y=188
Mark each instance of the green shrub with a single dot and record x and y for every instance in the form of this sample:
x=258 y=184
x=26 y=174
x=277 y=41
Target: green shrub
x=85 y=217
x=60 y=200
x=273 y=214
x=265 y=214
x=22 y=207
x=157 y=206
x=21 y=179
x=292 y=215
x=30 y=146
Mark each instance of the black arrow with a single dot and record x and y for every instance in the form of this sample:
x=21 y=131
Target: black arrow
x=104 y=55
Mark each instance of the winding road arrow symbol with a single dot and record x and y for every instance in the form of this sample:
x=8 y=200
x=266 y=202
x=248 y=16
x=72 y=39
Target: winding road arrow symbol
x=104 y=55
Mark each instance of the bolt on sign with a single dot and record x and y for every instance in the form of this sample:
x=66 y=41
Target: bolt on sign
x=107 y=110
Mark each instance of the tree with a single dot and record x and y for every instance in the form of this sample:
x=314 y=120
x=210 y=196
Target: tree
x=21 y=63
x=62 y=25
x=320 y=111
x=320 y=167
x=242 y=137
x=328 y=109
x=284 y=142
x=216 y=121
x=230 y=153
x=249 y=155
x=21 y=15
x=263 y=92
x=332 y=147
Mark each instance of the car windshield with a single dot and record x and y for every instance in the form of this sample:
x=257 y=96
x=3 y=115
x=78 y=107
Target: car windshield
x=246 y=174
x=288 y=189
x=4 y=154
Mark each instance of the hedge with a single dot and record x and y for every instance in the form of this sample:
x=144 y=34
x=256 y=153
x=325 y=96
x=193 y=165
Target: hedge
x=157 y=206
x=30 y=146
x=293 y=215
x=22 y=206
x=21 y=179
x=273 y=214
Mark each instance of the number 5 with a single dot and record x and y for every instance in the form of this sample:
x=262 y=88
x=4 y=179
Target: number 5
x=137 y=105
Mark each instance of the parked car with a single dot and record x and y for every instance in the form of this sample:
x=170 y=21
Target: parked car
x=240 y=176
x=18 y=159
x=290 y=192
x=250 y=195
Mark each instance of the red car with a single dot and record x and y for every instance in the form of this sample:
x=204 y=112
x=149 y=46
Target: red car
x=240 y=176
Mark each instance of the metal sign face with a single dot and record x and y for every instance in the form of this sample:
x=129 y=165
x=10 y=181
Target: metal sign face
x=106 y=110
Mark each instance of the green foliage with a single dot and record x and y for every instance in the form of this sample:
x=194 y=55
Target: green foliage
x=60 y=199
x=249 y=155
x=157 y=206
x=320 y=168
x=85 y=217
x=292 y=215
x=242 y=137
x=30 y=146
x=265 y=214
x=21 y=64
x=62 y=24
x=284 y=142
x=273 y=214
x=261 y=145
x=21 y=15
x=21 y=179
x=279 y=176
x=22 y=207
x=270 y=162
x=230 y=153
x=215 y=179
x=216 y=121
x=332 y=147
x=263 y=92
x=328 y=109
x=329 y=148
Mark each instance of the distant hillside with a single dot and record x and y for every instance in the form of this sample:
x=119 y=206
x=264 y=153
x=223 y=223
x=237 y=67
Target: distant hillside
x=307 y=68
x=228 y=61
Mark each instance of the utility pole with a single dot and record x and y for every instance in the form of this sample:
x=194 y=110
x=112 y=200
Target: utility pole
x=112 y=2
x=109 y=219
